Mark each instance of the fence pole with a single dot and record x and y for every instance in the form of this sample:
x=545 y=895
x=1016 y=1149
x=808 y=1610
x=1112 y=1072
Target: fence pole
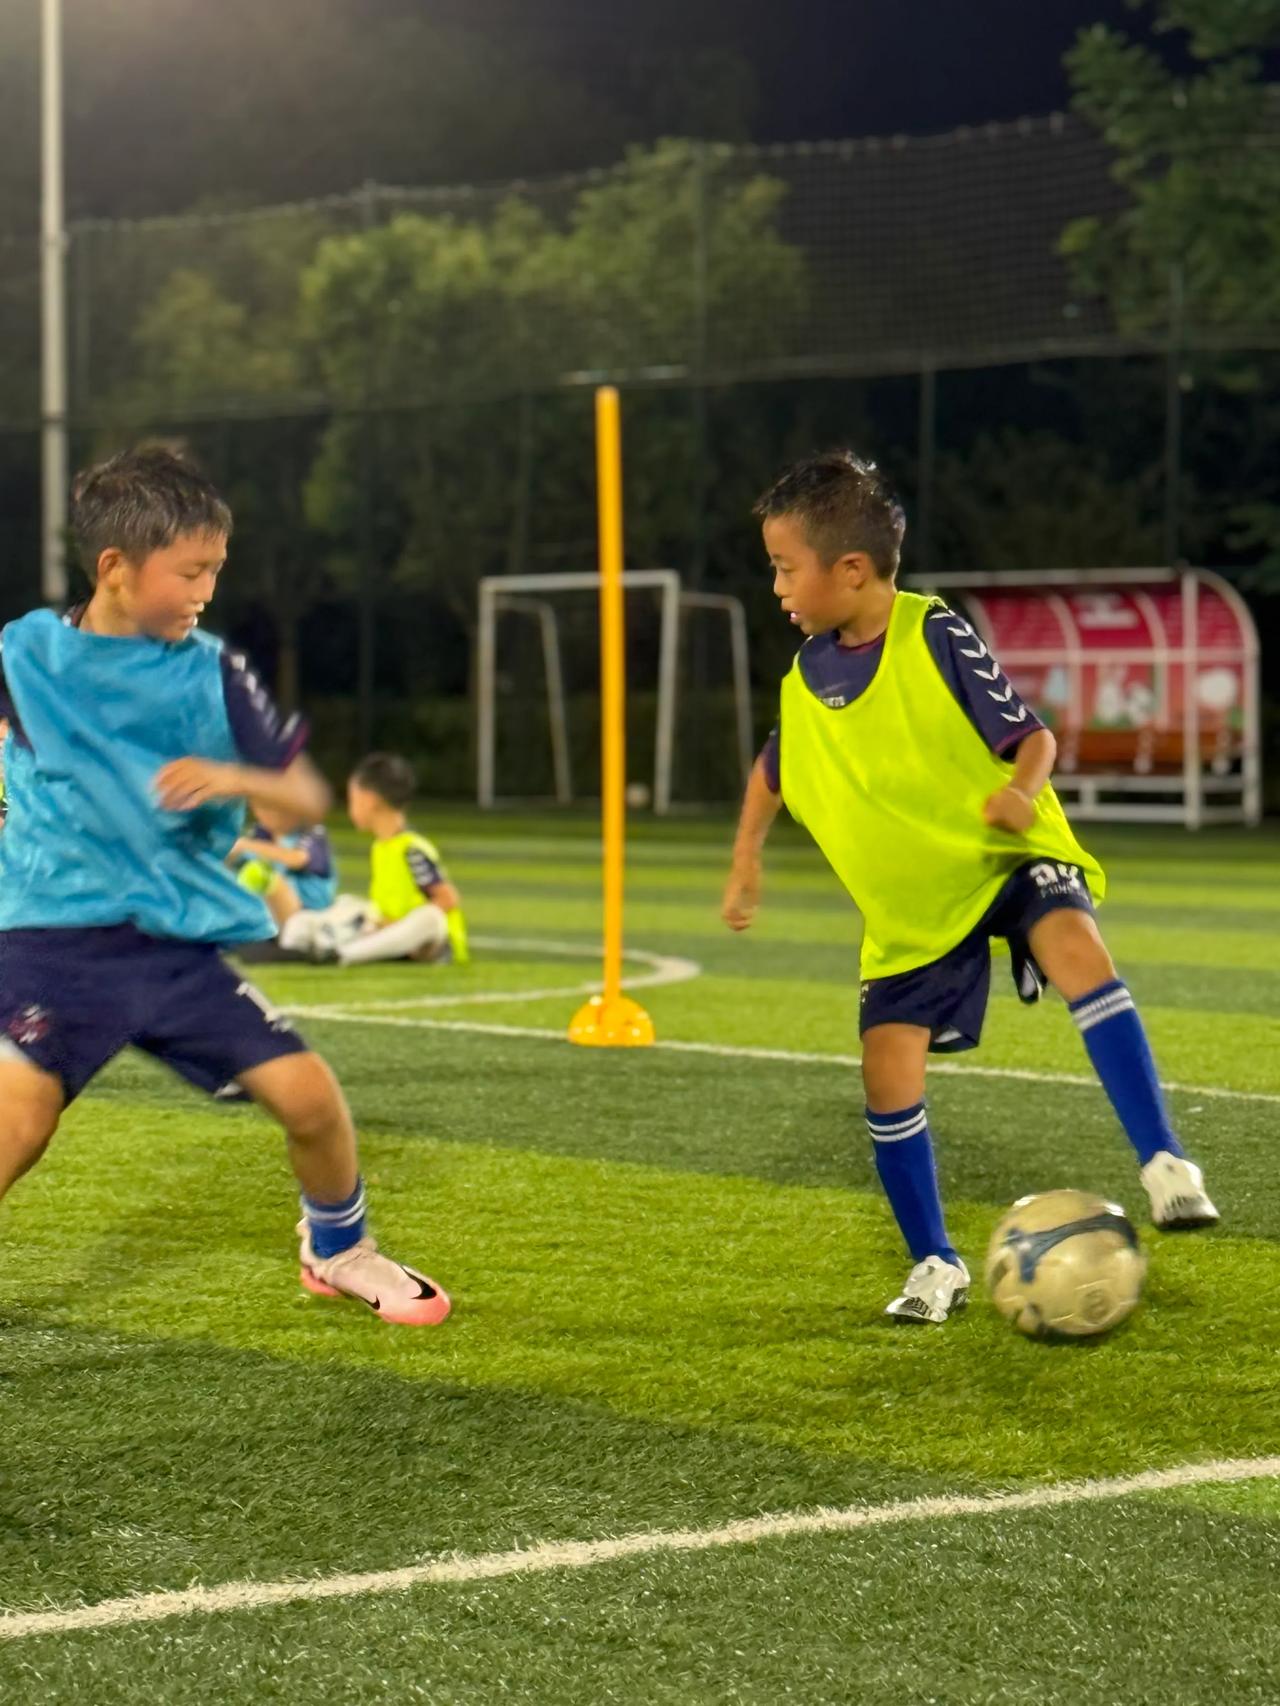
x=926 y=467
x=701 y=351
x=53 y=315
x=1172 y=531
x=366 y=599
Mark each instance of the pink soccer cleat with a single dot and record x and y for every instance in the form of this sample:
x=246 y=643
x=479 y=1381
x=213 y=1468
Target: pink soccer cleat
x=398 y=1294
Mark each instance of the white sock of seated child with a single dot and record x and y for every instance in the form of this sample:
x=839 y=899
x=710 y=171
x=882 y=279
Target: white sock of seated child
x=424 y=927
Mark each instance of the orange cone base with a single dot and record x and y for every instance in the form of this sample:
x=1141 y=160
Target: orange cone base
x=611 y=1022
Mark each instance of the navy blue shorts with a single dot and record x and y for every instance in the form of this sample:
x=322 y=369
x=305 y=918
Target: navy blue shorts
x=71 y=1000
x=948 y=997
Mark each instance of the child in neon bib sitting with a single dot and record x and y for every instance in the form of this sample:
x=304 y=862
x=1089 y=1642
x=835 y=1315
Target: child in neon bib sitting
x=413 y=911
x=924 y=779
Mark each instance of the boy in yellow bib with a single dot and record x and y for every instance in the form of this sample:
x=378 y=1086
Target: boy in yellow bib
x=413 y=911
x=924 y=779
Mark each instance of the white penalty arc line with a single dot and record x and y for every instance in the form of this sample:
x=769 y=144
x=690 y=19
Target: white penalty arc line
x=663 y=969
x=582 y=1554
x=345 y=1015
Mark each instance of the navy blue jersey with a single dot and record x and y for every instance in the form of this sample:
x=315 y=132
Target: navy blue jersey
x=426 y=870
x=264 y=737
x=838 y=674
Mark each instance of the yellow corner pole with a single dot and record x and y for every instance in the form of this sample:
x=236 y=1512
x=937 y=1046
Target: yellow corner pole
x=613 y=680
x=611 y=1019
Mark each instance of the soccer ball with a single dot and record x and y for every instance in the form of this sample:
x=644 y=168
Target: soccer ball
x=1065 y=1264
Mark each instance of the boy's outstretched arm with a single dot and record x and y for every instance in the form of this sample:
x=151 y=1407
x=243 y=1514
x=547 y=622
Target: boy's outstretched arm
x=760 y=806
x=298 y=792
x=271 y=853
x=1013 y=807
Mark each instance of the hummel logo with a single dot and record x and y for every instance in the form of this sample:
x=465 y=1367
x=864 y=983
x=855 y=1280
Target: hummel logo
x=913 y=1306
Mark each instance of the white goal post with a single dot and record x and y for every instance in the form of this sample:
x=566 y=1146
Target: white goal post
x=527 y=595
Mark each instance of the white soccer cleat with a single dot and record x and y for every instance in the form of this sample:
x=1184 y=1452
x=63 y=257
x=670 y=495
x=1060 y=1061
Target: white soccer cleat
x=326 y=940
x=934 y=1290
x=396 y=1293
x=1179 y=1202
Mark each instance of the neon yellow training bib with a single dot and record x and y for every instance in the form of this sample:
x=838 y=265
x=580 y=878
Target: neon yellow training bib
x=892 y=786
x=394 y=890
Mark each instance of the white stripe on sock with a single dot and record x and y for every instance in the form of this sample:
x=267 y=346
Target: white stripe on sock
x=895 y=1134
x=1116 y=1000
x=1103 y=1012
x=878 y=1123
x=335 y=1216
x=1099 y=1015
x=1103 y=1017
x=1120 y=993
x=1103 y=1001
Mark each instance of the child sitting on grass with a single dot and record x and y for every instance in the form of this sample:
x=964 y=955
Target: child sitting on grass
x=292 y=869
x=413 y=911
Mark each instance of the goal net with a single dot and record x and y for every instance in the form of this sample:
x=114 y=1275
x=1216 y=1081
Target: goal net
x=689 y=729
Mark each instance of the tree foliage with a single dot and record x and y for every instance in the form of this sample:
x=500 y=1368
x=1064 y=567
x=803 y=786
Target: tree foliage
x=439 y=346
x=1194 y=255
x=1198 y=154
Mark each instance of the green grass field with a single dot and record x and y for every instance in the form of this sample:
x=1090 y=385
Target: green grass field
x=669 y=1268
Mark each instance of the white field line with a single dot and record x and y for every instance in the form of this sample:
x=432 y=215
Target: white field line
x=742 y=1051
x=582 y=1554
x=663 y=969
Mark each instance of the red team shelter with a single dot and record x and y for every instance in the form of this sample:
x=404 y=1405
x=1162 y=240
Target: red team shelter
x=1148 y=678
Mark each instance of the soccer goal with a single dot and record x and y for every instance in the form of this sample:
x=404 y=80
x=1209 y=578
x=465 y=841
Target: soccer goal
x=688 y=689
x=1148 y=678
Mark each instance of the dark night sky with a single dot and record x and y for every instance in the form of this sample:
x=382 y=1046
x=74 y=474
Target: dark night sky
x=176 y=102
x=837 y=67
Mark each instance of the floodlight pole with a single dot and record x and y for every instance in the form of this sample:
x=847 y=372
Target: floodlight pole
x=53 y=313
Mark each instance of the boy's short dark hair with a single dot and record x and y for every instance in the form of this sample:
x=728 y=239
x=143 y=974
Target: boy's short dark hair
x=844 y=504
x=142 y=500
x=389 y=775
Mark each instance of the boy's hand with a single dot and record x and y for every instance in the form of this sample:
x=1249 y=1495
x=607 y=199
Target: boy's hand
x=1010 y=809
x=188 y=783
x=741 y=894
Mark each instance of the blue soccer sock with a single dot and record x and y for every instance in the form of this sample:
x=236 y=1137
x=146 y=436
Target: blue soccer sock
x=1121 y=1055
x=336 y=1226
x=904 y=1161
